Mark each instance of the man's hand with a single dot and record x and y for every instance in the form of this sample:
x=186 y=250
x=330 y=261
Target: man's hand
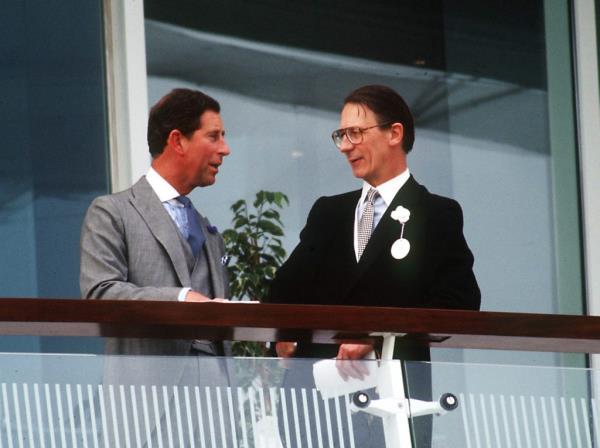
x=285 y=349
x=193 y=296
x=346 y=357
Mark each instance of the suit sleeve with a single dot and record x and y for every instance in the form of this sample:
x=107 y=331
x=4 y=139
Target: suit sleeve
x=294 y=279
x=454 y=285
x=104 y=263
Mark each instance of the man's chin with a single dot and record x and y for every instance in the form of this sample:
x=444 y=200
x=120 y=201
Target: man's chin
x=358 y=173
x=207 y=182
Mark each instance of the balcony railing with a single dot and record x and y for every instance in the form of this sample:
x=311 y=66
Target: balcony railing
x=109 y=401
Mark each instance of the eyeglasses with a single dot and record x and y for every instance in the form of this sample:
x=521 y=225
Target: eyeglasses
x=354 y=134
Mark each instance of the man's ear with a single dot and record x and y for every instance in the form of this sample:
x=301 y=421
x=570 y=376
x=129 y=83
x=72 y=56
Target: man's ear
x=396 y=134
x=175 y=141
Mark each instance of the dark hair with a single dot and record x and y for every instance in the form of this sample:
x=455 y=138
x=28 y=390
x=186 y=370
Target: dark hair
x=179 y=109
x=388 y=106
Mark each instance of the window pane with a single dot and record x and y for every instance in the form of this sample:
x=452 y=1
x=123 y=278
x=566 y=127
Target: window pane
x=489 y=84
x=55 y=141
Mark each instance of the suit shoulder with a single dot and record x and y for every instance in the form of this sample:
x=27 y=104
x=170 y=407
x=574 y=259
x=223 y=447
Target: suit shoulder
x=111 y=207
x=443 y=201
x=444 y=210
x=437 y=201
x=327 y=207
x=111 y=200
x=349 y=195
x=338 y=200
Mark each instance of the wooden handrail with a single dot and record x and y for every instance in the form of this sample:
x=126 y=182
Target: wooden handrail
x=268 y=322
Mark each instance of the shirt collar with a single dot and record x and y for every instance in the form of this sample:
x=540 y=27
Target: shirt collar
x=163 y=189
x=388 y=189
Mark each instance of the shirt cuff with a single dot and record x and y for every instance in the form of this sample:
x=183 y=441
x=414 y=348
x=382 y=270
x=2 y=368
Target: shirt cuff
x=182 y=294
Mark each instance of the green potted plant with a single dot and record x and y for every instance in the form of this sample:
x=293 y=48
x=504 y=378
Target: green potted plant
x=256 y=249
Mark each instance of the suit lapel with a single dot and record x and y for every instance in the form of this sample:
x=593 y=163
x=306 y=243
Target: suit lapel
x=161 y=226
x=346 y=233
x=345 y=254
x=388 y=230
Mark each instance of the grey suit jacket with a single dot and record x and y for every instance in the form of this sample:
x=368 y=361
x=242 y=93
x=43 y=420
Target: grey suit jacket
x=132 y=250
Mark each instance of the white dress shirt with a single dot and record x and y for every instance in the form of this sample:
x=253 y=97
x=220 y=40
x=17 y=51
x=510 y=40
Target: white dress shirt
x=387 y=191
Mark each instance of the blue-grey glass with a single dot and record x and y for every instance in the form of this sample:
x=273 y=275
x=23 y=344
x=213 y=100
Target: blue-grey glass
x=54 y=150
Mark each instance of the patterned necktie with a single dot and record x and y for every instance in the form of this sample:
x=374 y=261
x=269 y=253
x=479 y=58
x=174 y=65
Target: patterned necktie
x=365 y=225
x=195 y=237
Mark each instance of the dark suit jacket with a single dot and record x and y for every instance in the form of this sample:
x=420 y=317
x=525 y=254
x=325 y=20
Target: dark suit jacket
x=436 y=273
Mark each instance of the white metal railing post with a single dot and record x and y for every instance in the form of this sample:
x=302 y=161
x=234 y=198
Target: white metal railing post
x=396 y=426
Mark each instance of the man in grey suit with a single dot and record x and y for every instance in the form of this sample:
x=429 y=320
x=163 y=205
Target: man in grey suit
x=148 y=242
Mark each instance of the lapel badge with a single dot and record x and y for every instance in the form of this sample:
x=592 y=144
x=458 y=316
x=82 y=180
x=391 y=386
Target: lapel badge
x=401 y=246
x=225 y=259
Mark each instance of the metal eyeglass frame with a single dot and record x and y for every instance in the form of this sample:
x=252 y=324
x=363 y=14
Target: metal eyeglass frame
x=338 y=135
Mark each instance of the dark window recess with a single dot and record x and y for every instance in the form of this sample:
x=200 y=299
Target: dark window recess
x=464 y=36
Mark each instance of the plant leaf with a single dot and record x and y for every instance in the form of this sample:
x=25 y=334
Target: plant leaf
x=269 y=227
x=255 y=244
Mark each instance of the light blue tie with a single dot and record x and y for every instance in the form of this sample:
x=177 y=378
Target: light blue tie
x=196 y=236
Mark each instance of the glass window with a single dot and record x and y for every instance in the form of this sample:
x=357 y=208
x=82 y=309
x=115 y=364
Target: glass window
x=55 y=141
x=489 y=84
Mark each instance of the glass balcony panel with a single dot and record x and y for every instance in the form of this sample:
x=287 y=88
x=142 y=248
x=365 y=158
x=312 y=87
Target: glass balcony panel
x=506 y=405
x=95 y=400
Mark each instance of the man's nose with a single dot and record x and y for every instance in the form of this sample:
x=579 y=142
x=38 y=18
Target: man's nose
x=346 y=145
x=224 y=149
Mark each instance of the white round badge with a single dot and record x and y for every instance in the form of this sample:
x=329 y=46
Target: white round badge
x=400 y=248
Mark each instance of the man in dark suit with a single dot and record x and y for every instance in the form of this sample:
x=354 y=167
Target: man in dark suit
x=329 y=265
x=391 y=243
x=149 y=242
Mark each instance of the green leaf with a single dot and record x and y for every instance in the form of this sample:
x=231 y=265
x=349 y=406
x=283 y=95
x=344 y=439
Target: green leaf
x=277 y=250
x=268 y=259
x=280 y=198
x=271 y=214
x=238 y=204
x=229 y=234
x=269 y=227
x=260 y=199
x=241 y=221
x=255 y=244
